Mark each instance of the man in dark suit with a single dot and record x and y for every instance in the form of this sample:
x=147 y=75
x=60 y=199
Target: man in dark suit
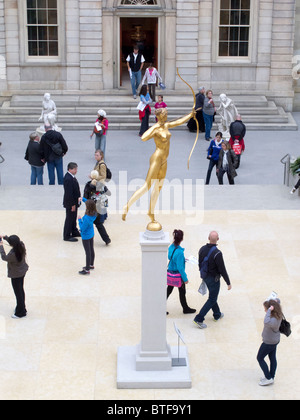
x=71 y=203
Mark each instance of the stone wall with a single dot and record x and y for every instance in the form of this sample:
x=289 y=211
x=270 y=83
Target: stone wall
x=88 y=58
x=2 y=48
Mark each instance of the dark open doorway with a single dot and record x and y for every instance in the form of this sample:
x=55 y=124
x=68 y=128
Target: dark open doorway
x=142 y=32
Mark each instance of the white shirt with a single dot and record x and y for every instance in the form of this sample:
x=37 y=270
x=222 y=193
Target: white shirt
x=151 y=77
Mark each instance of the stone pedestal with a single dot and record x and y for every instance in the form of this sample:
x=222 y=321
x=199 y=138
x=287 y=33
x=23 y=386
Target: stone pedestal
x=149 y=364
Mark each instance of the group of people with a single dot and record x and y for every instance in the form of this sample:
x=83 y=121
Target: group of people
x=95 y=199
x=215 y=269
x=226 y=155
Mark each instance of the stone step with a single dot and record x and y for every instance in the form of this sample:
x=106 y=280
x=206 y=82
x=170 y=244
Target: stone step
x=79 y=111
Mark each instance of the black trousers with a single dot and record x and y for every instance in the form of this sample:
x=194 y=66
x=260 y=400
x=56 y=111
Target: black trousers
x=88 y=245
x=152 y=87
x=70 y=226
x=145 y=122
x=18 y=286
x=101 y=229
x=182 y=294
x=221 y=174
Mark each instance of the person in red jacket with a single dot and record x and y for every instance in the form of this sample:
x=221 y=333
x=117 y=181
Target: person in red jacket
x=237 y=131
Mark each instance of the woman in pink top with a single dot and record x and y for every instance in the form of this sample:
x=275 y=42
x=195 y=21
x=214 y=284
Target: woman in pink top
x=100 y=130
x=150 y=76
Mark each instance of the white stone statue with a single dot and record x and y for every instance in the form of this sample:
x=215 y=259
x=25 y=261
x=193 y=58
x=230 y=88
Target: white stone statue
x=228 y=112
x=49 y=114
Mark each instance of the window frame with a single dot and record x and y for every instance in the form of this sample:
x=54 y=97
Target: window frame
x=252 y=30
x=40 y=59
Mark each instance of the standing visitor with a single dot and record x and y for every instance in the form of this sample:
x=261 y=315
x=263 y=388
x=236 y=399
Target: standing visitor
x=144 y=109
x=209 y=110
x=227 y=163
x=213 y=154
x=53 y=148
x=100 y=131
x=150 y=77
x=237 y=132
x=34 y=156
x=99 y=194
x=16 y=270
x=177 y=265
x=71 y=202
x=216 y=269
x=271 y=339
x=135 y=63
x=199 y=112
x=86 y=224
x=160 y=103
x=100 y=165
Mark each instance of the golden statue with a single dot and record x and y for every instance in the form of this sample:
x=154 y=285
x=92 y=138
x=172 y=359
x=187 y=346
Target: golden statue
x=158 y=161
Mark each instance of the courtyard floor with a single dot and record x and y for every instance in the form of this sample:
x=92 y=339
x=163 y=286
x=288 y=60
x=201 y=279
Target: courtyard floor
x=66 y=348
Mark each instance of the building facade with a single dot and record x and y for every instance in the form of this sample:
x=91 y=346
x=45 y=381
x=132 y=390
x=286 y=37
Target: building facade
x=80 y=46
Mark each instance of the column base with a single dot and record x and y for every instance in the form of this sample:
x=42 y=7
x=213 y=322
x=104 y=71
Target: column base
x=128 y=377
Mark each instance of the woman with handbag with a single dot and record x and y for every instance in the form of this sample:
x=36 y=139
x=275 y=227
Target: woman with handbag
x=100 y=130
x=271 y=338
x=176 y=270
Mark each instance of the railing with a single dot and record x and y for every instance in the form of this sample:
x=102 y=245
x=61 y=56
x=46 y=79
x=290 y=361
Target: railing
x=286 y=160
x=1 y=161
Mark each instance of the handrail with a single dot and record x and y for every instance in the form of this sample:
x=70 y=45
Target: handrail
x=286 y=160
x=287 y=155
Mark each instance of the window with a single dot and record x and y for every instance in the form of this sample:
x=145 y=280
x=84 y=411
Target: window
x=234 y=28
x=42 y=28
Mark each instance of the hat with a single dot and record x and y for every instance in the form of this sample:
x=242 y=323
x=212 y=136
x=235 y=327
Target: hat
x=102 y=113
x=201 y=88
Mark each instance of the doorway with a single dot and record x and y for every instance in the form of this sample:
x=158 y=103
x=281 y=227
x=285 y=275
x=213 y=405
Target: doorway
x=142 y=32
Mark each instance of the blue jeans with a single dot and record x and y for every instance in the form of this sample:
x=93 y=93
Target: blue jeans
x=58 y=165
x=100 y=143
x=36 y=175
x=264 y=351
x=135 y=80
x=208 y=120
x=213 y=289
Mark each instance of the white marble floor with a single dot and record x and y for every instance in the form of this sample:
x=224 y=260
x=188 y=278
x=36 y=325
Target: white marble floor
x=66 y=348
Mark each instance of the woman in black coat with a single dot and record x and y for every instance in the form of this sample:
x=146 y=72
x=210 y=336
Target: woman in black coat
x=227 y=163
x=16 y=270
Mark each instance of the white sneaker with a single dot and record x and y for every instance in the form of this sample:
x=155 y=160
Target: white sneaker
x=265 y=381
x=292 y=191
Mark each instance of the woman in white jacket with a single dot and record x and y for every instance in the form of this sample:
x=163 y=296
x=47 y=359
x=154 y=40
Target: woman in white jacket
x=150 y=77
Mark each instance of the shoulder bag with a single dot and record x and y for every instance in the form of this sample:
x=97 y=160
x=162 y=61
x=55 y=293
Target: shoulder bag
x=173 y=277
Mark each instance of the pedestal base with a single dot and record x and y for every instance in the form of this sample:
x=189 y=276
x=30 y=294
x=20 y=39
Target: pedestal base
x=130 y=378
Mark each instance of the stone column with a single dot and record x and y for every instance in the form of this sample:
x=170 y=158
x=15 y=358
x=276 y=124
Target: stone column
x=153 y=353
x=149 y=364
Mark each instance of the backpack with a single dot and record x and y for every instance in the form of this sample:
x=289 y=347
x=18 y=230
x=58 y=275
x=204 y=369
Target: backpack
x=204 y=264
x=108 y=172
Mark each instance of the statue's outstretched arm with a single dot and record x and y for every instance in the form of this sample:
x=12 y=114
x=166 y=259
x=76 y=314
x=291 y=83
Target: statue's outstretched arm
x=180 y=121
